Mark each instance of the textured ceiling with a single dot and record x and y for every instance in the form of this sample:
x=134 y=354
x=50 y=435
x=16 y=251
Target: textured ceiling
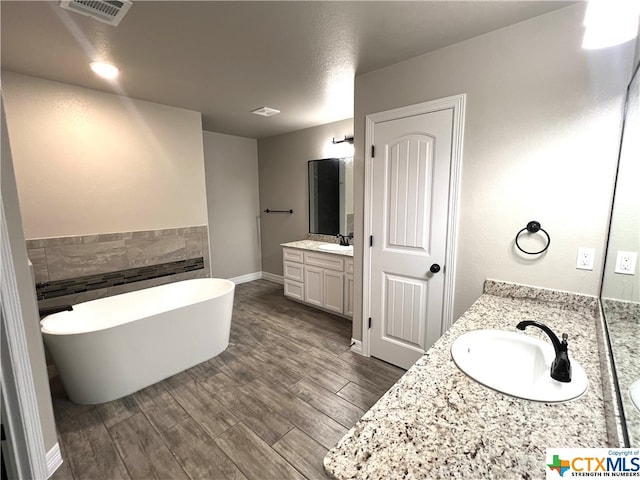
x=225 y=59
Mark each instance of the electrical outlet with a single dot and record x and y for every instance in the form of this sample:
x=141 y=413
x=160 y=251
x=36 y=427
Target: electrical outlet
x=626 y=263
x=585 y=258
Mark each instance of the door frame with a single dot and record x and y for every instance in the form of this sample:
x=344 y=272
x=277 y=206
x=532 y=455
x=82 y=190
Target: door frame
x=18 y=394
x=457 y=103
x=19 y=402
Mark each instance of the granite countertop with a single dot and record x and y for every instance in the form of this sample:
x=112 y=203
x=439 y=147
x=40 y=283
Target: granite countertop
x=623 y=319
x=436 y=422
x=314 y=246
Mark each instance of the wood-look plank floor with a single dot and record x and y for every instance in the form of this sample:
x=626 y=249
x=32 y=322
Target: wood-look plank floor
x=269 y=407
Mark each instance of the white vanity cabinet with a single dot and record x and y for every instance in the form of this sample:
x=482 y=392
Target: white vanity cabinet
x=293 y=272
x=348 y=287
x=323 y=280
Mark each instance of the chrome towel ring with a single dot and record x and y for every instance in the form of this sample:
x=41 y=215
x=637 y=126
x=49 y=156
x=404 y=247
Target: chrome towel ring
x=533 y=227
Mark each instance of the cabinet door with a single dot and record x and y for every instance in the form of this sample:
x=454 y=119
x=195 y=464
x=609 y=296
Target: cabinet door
x=313 y=285
x=333 y=291
x=348 y=295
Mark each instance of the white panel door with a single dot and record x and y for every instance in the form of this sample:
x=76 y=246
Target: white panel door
x=409 y=207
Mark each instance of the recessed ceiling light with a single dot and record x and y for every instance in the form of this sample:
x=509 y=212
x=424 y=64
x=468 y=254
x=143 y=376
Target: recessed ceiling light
x=105 y=70
x=610 y=23
x=265 y=111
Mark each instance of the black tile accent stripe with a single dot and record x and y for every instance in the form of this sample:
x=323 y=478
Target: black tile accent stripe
x=60 y=288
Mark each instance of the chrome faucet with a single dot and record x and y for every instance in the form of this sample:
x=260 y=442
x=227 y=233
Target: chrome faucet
x=344 y=239
x=561 y=366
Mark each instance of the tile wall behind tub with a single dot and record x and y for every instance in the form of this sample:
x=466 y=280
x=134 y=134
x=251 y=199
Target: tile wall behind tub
x=66 y=258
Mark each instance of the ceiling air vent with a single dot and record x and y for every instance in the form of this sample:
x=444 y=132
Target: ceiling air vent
x=106 y=11
x=265 y=111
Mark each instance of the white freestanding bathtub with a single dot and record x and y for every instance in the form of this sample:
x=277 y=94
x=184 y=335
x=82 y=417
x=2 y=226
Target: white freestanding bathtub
x=108 y=348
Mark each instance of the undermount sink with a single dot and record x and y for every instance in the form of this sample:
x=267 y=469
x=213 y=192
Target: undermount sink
x=516 y=364
x=334 y=247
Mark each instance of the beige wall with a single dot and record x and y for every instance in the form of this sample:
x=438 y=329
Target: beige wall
x=231 y=166
x=283 y=184
x=540 y=143
x=89 y=162
x=26 y=293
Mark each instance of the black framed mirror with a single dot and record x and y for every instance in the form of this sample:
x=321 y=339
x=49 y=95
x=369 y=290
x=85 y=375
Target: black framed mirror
x=330 y=182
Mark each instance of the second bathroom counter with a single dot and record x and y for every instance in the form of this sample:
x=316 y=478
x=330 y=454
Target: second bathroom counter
x=436 y=422
x=314 y=245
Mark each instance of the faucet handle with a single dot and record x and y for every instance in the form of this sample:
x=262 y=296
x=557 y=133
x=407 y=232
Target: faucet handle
x=565 y=337
x=344 y=239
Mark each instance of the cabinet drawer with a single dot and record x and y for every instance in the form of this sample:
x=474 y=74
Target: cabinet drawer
x=294 y=289
x=292 y=255
x=293 y=271
x=332 y=262
x=348 y=265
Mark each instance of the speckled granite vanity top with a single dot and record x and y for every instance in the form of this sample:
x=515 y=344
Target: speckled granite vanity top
x=314 y=245
x=623 y=319
x=436 y=422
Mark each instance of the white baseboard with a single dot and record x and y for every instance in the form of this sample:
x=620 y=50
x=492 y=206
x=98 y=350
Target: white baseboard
x=249 y=277
x=356 y=346
x=272 y=277
x=53 y=459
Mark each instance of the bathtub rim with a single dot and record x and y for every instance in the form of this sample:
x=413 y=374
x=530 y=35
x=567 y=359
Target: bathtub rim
x=230 y=288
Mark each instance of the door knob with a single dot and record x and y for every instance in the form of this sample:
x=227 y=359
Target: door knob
x=435 y=268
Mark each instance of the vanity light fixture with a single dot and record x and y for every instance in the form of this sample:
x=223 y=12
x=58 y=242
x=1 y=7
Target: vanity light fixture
x=609 y=23
x=265 y=111
x=346 y=139
x=105 y=70
x=340 y=148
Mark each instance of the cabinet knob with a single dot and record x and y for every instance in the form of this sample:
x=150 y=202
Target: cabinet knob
x=435 y=268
